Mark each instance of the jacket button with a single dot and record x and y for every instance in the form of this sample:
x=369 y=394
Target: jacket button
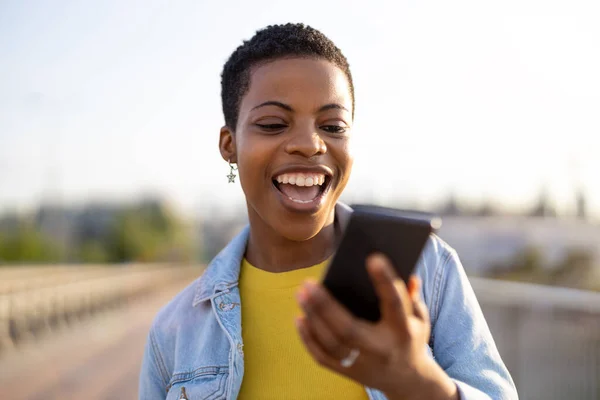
x=228 y=306
x=183 y=394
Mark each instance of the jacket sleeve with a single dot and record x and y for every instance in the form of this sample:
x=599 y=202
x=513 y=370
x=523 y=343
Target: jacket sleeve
x=461 y=340
x=153 y=377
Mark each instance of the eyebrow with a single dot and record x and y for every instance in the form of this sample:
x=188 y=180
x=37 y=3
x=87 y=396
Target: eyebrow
x=289 y=108
x=274 y=103
x=333 y=106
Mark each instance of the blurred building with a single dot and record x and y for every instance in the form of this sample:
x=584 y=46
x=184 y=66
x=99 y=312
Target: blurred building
x=217 y=232
x=57 y=223
x=483 y=242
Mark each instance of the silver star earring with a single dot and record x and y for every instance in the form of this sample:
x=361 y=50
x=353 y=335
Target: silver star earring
x=231 y=176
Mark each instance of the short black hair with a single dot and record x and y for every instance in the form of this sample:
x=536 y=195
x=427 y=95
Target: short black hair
x=268 y=44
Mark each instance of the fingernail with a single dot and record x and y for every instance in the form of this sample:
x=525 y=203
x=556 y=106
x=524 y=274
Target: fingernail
x=302 y=296
x=310 y=287
x=379 y=260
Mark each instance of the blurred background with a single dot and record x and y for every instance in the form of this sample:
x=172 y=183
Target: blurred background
x=113 y=195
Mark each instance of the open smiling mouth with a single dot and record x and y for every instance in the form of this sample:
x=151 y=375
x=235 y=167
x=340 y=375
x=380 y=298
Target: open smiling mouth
x=302 y=188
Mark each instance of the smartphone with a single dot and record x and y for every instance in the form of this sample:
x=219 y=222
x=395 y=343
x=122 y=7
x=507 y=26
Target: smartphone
x=399 y=234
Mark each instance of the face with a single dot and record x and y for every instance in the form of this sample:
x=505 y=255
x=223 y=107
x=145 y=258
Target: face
x=291 y=144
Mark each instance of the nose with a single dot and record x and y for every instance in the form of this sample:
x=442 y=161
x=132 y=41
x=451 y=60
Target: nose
x=307 y=142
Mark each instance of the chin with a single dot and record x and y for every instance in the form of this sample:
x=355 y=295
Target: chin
x=300 y=234
x=299 y=228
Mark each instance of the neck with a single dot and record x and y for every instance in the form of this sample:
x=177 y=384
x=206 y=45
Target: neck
x=270 y=251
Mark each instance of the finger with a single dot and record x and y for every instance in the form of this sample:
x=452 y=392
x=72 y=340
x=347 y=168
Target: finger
x=420 y=310
x=414 y=290
x=313 y=347
x=324 y=336
x=394 y=301
x=414 y=287
x=317 y=302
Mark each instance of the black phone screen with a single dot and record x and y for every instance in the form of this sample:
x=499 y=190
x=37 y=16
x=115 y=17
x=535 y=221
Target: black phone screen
x=400 y=235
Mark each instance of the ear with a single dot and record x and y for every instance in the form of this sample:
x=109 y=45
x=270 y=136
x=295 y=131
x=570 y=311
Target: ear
x=227 y=145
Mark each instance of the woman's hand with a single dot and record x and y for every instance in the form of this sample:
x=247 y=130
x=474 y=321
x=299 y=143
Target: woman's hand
x=391 y=353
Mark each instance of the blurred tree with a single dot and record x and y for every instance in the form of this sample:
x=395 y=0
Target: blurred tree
x=25 y=244
x=531 y=260
x=149 y=232
x=92 y=251
x=527 y=265
x=576 y=269
x=544 y=207
x=451 y=207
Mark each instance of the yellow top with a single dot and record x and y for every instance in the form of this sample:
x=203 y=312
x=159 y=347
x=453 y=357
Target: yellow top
x=276 y=363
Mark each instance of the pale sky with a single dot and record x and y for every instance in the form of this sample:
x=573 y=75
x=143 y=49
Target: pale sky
x=486 y=99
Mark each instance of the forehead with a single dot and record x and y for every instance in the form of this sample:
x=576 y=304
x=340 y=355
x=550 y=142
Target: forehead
x=299 y=80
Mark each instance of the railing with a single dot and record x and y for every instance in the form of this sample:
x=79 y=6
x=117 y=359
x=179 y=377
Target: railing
x=548 y=337
x=36 y=300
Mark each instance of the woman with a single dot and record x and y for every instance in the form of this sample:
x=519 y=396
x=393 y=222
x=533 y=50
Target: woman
x=288 y=103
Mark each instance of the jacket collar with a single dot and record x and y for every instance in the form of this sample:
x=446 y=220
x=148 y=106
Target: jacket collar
x=224 y=270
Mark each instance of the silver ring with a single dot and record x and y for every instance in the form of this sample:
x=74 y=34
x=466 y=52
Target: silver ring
x=350 y=359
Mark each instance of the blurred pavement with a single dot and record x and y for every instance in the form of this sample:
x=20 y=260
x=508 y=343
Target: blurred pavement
x=96 y=359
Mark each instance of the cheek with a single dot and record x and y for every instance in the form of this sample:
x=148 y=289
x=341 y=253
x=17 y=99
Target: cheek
x=349 y=165
x=347 y=171
x=247 y=165
x=349 y=149
x=253 y=158
x=244 y=153
x=345 y=157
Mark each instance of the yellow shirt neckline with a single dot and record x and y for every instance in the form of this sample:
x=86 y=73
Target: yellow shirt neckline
x=254 y=278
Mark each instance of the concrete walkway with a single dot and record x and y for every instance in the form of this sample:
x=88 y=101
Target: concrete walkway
x=95 y=359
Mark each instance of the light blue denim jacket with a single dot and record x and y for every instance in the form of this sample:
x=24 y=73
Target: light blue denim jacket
x=195 y=341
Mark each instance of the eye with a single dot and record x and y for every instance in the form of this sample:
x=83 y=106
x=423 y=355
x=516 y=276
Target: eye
x=271 y=127
x=334 y=129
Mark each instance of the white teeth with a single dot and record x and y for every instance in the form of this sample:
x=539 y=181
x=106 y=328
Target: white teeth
x=300 y=201
x=301 y=179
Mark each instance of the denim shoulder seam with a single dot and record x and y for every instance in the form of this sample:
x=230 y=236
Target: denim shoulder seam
x=198 y=372
x=437 y=290
x=158 y=359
